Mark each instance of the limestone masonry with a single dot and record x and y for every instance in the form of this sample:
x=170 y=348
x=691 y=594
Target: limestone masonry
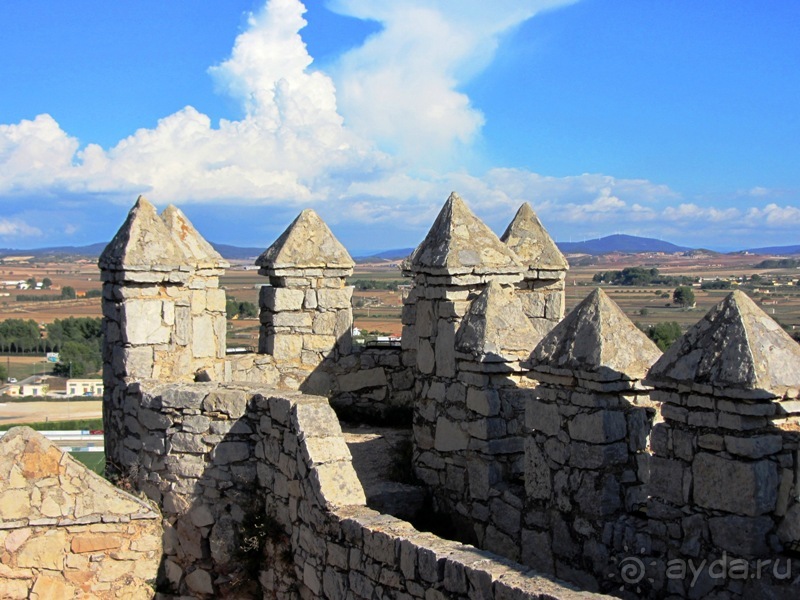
x=557 y=457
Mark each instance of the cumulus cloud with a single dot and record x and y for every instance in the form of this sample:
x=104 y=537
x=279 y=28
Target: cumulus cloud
x=401 y=87
x=15 y=228
x=774 y=215
x=291 y=146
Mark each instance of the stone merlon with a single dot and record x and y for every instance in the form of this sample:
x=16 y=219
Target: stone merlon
x=529 y=240
x=736 y=346
x=143 y=243
x=495 y=326
x=195 y=248
x=459 y=242
x=307 y=243
x=596 y=340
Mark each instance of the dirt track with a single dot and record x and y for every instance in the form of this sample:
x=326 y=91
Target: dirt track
x=26 y=412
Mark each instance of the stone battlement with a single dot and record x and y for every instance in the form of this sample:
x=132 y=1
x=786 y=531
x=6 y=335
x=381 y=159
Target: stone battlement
x=553 y=449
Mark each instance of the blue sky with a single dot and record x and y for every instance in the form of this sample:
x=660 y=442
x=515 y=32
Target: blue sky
x=676 y=120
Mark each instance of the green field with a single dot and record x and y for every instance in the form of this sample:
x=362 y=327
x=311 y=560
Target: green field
x=96 y=461
x=21 y=366
x=59 y=425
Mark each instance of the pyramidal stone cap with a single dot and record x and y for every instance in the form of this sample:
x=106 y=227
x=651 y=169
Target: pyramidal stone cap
x=196 y=250
x=459 y=242
x=735 y=347
x=495 y=328
x=143 y=243
x=596 y=341
x=306 y=243
x=529 y=240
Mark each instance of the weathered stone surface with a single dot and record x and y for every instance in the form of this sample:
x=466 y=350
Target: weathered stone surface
x=306 y=243
x=143 y=243
x=42 y=464
x=196 y=250
x=598 y=427
x=279 y=299
x=597 y=338
x=529 y=240
x=199 y=581
x=359 y=380
x=495 y=327
x=741 y=536
x=755 y=484
x=735 y=345
x=458 y=242
x=142 y=322
x=450 y=436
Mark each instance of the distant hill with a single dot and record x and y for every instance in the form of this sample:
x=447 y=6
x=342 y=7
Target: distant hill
x=627 y=244
x=775 y=250
x=94 y=251
x=386 y=255
x=236 y=252
x=90 y=251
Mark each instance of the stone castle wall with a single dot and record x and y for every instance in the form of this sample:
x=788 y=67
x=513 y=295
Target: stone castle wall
x=232 y=464
x=533 y=434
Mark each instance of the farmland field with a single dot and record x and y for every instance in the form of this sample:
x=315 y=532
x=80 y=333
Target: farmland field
x=380 y=309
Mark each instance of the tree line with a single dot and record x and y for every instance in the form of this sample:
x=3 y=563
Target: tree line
x=640 y=276
x=78 y=340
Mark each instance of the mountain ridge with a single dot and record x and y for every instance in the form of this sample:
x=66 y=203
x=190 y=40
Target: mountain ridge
x=626 y=244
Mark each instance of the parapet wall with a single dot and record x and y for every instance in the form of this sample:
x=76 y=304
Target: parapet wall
x=212 y=450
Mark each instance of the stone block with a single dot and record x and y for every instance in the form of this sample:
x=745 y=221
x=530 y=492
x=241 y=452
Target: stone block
x=284 y=346
x=538 y=485
x=134 y=362
x=426 y=362
x=359 y=380
x=142 y=322
x=485 y=402
x=231 y=402
x=199 y=581
x=301 y=320
x=543 y=416
x=319 y=343
x=328 y=298
x=599 y=427
x=595 y=456
x=445 y=349
x=277 y=299
x=449 y=436
x=757 y=446
x=325 y=323
x=666 y=479
x=204 y=339
x=741 y=487
x=186 y=442
x=741 y=536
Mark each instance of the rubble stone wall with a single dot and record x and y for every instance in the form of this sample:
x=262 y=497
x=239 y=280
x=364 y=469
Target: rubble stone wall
x=586 y=474
x=724 y=483
x=65 y=531
x=207 y=442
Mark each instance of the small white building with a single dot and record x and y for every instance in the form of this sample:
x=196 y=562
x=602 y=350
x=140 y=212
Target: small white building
x=85 y=387
x=34 y=389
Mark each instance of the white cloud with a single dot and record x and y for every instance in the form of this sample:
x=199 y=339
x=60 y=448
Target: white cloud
x=17 y=228
x=291 y=146
x=774 y=215
x=401 y=88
